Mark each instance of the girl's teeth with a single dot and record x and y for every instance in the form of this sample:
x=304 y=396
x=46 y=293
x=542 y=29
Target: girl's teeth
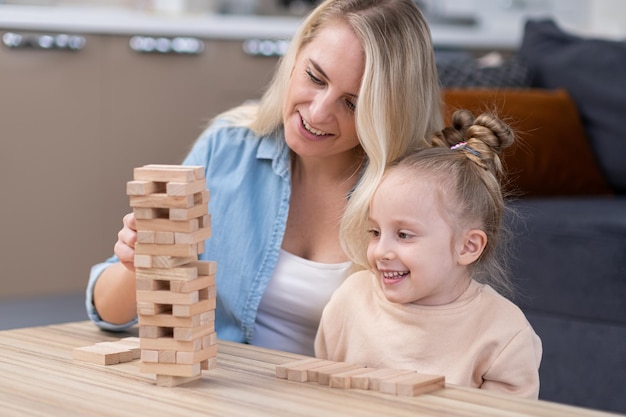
x=394 y=274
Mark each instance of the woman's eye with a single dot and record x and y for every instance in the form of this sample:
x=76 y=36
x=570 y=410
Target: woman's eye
x=313 y=78
x=350 y=105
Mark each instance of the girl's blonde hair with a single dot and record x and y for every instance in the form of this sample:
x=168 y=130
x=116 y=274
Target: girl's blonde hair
x=463 y=164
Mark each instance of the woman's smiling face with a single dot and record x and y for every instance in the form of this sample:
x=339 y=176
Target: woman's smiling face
x=318 y=113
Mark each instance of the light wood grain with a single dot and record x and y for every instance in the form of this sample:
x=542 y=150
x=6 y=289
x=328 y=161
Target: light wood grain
x=41 y=379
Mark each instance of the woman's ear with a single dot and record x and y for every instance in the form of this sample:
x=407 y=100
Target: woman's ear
x=472 y=246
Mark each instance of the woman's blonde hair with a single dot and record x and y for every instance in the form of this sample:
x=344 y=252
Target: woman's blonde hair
x=399 y=103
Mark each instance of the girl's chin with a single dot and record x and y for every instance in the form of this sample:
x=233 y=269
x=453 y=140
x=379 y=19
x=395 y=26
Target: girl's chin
x=395 y=298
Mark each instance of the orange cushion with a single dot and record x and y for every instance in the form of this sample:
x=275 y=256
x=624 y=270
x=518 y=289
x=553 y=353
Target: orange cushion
x=551 y=155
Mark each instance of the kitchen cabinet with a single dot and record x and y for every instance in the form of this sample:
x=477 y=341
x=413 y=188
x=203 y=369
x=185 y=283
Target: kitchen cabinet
x=73 y=125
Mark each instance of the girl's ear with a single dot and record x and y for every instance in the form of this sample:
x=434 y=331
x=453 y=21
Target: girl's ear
x=472 y=246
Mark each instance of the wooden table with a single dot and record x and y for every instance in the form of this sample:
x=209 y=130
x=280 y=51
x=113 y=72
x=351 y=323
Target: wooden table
x=39 y=378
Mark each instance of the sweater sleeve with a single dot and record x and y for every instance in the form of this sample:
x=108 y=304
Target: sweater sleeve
x=516 y=369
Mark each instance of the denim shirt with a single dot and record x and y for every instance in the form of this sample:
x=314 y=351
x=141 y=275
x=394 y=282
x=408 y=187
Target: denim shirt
x=249 y=181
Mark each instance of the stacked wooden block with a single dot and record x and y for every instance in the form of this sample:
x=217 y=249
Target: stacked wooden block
x=175 y=292
x=109 y=353
x=347 y=375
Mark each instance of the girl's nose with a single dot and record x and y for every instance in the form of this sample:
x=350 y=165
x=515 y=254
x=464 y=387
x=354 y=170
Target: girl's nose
x=383 y=251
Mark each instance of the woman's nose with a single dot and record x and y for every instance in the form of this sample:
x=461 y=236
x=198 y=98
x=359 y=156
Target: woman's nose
x=321 y=108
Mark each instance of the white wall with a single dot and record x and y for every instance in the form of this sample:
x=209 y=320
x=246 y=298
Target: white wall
x=607 y=18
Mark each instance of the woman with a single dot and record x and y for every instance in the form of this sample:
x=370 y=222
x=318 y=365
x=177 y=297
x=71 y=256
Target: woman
x=355 y=88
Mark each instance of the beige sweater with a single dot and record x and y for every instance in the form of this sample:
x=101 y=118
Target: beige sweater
x=480 y=340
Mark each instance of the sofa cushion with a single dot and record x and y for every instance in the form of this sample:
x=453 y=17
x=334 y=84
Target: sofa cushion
x=593 y=72
x=568 y=256
x=489 y=71
x=551 y=156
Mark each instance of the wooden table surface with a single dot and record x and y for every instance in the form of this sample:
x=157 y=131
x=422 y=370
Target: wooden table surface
x=39 y=378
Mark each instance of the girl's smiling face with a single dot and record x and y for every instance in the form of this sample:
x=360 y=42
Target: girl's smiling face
x=318 y=113
x=413 y=248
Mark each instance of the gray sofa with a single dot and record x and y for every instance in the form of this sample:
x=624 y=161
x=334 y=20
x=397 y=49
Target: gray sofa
x=569 y=231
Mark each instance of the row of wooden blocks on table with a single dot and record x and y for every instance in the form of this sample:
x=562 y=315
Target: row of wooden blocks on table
x=345 y=375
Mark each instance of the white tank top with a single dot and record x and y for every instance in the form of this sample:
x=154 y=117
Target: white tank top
x=291 y=307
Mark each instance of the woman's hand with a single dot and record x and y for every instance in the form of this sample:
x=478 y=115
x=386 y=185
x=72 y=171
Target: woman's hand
x=126 y=239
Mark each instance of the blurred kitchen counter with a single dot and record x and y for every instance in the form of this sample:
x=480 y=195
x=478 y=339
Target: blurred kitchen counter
x=128 y=21
x=122 y=21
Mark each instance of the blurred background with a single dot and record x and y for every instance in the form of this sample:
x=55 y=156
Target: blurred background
x=91 y=89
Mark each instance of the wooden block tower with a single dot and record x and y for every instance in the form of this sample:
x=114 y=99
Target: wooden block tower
x=175 y=291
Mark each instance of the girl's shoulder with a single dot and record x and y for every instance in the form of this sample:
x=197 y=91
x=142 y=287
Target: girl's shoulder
x=501 y=307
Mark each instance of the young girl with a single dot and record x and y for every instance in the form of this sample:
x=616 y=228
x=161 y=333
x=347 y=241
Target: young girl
x=428 y=302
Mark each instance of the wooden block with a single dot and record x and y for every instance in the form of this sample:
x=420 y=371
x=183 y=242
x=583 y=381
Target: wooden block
x=142 y=187
x=167 y=320
x=312 y=374
x=174 y=381
x=325 y=372
x=162 y=173
x=187 y=310
x=103 y=354
x=371 y=380
x=411 y=384
x=193 y=237
x=125 y=352
x=200 y=247
x=167 y=297
x=209 y=340
x=343 y=379
x=183 y=272
x=149 y=355
x=188 y=213
x=300 y=372
x=175 y=188
x=167 y=225
x=281 y=370
x=149 y=309
x=142 y=261
x=162 y=200
x=130 y=341
x=181 y=250
x=133 y=344
x=147 y=284
x=164 y=238
x=147 y=213
x=154 y=332
x=169 y=343
x=376 y=380
x=174 y=369
x=171 y=261
x=205 y=267
x=167 y=356
x=209 y=364
x=146 y=236
x=187 y=334
x=196 y=357
x=201 y=282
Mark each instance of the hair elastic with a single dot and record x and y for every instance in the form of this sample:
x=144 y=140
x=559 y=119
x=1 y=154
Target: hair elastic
x=463 y=147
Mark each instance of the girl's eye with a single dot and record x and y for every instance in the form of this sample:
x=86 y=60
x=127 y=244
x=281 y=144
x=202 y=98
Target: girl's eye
x=374 y=233
x=403 y=235
x=313 y=78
